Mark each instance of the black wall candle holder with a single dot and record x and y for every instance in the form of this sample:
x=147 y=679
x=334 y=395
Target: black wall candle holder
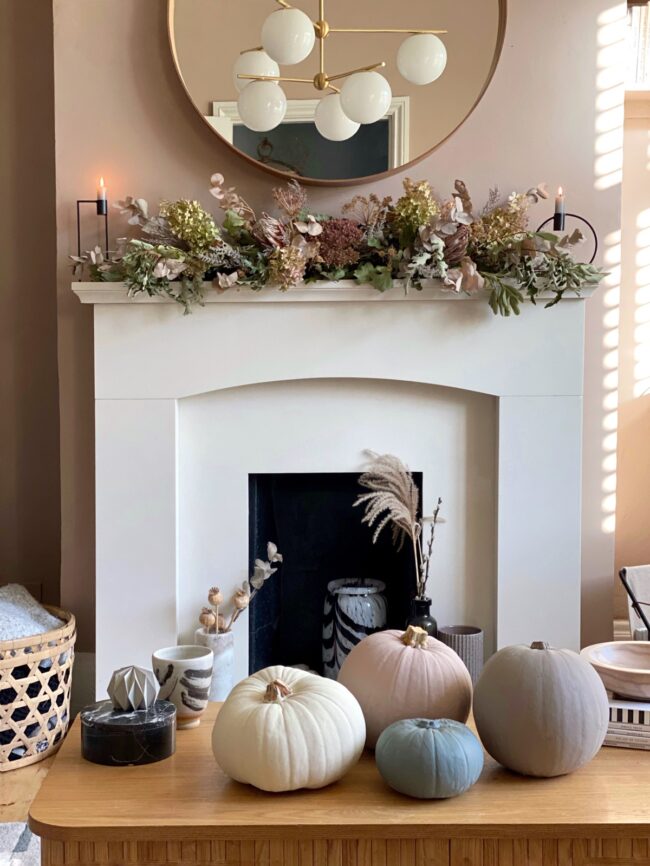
x=559 y=220
x=101 y=209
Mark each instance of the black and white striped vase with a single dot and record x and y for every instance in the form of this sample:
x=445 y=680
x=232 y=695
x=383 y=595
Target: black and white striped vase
x=354 y=608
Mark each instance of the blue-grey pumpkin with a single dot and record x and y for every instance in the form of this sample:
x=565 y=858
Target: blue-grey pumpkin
x=429 y=759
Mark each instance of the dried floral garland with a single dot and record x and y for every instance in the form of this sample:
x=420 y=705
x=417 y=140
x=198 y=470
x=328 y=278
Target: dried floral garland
x=419 y=237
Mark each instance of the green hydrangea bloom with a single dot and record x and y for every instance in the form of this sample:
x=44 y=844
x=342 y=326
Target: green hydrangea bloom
x=191 y=223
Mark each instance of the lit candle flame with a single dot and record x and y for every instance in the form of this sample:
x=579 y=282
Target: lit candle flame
x=560 y=191
x=101 y=190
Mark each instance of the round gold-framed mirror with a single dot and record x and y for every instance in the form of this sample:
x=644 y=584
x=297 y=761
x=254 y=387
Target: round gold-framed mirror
x=333 y=92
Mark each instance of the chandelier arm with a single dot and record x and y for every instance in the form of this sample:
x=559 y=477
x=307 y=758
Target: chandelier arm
x=371 y=68
x=284 y=4
x=275 y=78
x=382 y=30
x=257 y=48
x=321 y=36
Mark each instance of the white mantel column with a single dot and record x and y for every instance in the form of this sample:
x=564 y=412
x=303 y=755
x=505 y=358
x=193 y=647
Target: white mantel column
x=135 y=454
x=538 y=544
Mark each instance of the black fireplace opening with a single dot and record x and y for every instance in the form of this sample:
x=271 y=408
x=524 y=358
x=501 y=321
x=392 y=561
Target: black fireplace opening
x=310 y=516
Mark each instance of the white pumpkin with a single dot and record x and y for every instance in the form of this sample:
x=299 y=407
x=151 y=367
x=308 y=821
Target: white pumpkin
x=540 y=711
x=282 y=729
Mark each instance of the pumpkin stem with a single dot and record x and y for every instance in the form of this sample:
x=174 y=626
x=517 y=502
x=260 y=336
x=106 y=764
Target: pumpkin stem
x=414 y=636
x=276 y=691
x=540 y=644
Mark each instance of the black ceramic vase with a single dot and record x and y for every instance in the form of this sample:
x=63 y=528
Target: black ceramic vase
x=420 y=615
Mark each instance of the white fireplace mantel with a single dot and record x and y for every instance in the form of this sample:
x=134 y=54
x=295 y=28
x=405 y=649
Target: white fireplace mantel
x=149 y=356
x=342 y=291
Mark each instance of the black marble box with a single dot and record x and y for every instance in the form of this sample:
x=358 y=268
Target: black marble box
x=122 y=737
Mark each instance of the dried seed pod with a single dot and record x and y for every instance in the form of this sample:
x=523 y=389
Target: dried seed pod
x=215 y=596
x=241 y=599
x=208 y=618
x=456 y=246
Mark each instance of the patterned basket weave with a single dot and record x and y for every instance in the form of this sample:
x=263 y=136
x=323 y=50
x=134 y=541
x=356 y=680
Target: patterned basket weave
x=35 y=679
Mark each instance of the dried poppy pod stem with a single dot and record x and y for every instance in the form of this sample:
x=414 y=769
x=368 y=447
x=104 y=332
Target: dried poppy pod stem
x=414 y=636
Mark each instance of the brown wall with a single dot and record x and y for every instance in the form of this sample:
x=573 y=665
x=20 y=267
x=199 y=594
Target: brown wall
x=121 y=111
x=29 y=414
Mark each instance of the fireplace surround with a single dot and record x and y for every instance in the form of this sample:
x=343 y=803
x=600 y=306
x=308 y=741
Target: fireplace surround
x=175 y=394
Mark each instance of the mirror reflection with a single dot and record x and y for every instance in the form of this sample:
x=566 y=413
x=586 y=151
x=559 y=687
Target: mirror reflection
x=327 y=89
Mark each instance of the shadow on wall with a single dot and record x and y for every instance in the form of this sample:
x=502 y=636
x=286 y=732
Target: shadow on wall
x=608 y=171
x=29 y=417
x=602 y=333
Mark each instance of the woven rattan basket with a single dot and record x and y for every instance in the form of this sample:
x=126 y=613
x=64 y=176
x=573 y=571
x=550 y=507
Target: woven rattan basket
x=35 y=680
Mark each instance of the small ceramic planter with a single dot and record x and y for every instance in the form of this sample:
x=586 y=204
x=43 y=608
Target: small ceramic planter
x=184 y=674
x=467 y=642
x=222 y=646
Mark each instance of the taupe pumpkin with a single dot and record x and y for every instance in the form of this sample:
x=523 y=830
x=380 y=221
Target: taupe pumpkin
x=540 y=711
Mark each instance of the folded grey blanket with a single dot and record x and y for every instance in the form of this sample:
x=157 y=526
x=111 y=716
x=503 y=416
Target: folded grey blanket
x=21 y=615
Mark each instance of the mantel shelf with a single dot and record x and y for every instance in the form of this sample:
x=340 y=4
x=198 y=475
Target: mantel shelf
x=343 y=291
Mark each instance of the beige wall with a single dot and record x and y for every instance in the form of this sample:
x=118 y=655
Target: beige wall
x=29 y=419
x=209 y=36
x=121 y=110
x=633 y=488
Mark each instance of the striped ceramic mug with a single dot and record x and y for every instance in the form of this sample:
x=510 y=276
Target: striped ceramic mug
x=184 y=674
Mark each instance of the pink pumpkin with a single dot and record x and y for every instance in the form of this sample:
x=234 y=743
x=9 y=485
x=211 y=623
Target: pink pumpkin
x=406 y=675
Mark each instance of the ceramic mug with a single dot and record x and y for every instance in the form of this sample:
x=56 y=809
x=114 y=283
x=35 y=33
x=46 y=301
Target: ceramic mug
x=184 y=674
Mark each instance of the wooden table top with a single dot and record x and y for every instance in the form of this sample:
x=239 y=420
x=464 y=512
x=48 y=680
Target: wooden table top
x=188 y=794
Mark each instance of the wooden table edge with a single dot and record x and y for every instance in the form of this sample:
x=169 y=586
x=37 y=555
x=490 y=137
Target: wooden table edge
x=71 y=833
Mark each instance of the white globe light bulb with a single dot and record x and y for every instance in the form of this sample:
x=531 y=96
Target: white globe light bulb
x=422 y=58
x=288 y=36
x=262 y=105
x=365 y=97
x=252 y=63
x=331 y=121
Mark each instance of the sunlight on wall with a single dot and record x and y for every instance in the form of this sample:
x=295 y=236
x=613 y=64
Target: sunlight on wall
x=610 y=82
x=611 y=302
x=642 y=306
x=608 y=172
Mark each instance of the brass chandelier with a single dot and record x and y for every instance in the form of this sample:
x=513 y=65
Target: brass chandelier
x=289 y=37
